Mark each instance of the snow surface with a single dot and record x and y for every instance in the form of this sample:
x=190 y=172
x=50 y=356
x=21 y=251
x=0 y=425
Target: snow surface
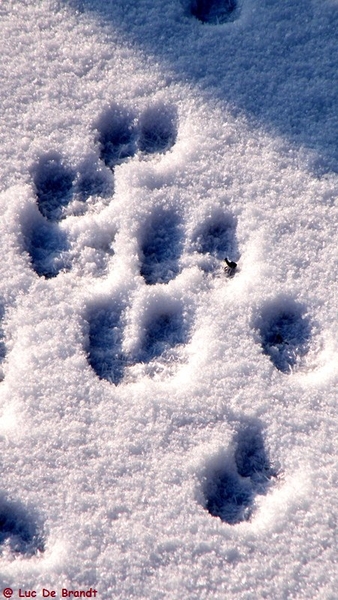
x=169 y=430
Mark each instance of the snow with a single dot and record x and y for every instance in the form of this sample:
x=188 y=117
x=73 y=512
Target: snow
x=168 y=429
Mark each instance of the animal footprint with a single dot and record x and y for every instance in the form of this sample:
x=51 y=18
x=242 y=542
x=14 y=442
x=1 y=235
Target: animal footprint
x=57 y=185
x=116 y=136
x=216 y=241
x=161 y=247
x=54 y=184
x=19 y=530
x=157 y=129
x=104 y=350
x=45 y=241
x=47 y=247
x=285 y=333
x=231 y=488
x=121 y=135
x=164 y=328
x=213 y=11
x=161 y=334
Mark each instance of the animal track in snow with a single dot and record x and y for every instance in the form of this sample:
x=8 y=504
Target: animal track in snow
x=164 y=330
x=53 y=182
x=216 y=239
x=19 y=529
x=161 y=247
x=231 y=489
x=105 y=354
x=163 y=333
x=57 y=185
x=285 y=333
x=157 y=129
x=47 y=247
x=213 y=11
x=121 y=135
x=116 y=136
x=45 y=241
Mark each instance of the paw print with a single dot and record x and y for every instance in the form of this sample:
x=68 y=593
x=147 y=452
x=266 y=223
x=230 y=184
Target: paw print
x=121 y=135
x=234 y=480
x=105 y=354
x=162 y=323
x=62 y=190
x=19 y=529
x=216 y=240
x=285 y=333
x=214 y=12
x=163 y=332
x=161 y=247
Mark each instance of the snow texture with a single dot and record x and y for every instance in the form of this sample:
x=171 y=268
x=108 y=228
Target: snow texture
x=168 y=423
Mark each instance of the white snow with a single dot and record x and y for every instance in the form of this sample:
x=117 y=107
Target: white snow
x=168 y=430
